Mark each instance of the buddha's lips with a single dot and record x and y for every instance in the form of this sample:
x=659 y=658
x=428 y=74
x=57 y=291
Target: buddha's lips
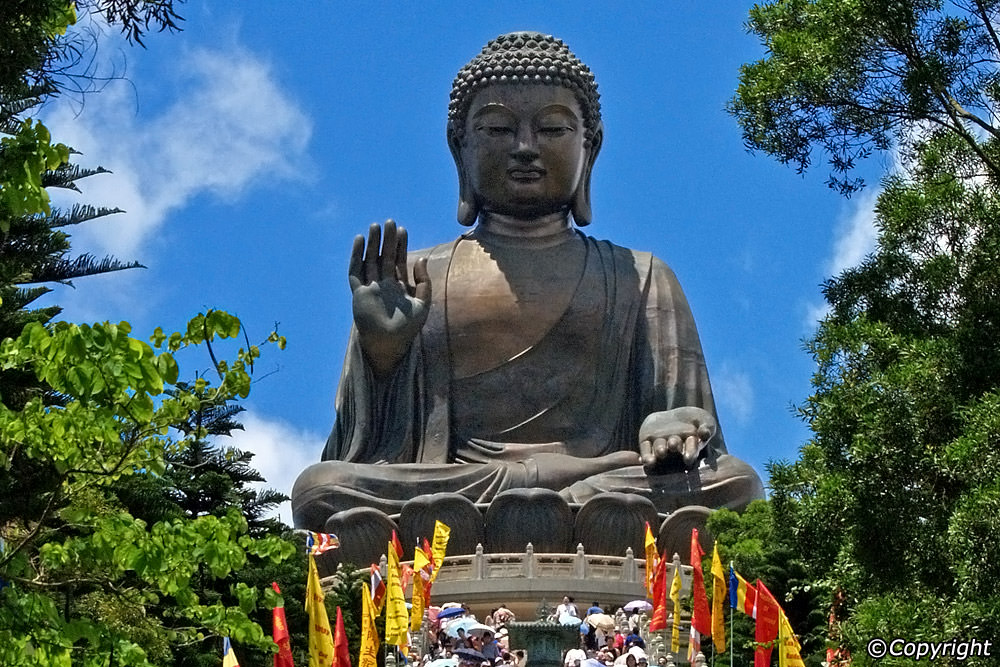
x=523 y=174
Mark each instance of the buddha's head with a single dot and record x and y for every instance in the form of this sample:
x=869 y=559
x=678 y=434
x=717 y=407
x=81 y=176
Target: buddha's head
x=524 y=127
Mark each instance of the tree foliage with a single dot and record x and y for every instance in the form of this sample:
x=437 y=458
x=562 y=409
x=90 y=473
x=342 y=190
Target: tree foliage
x=892 y=504
x=848 y=76
x=80 y=571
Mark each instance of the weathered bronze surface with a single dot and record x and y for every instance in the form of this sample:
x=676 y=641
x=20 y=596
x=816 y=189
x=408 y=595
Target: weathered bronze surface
x=524 y=354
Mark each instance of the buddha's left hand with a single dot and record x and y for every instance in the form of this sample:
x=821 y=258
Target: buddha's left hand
x=672 y=436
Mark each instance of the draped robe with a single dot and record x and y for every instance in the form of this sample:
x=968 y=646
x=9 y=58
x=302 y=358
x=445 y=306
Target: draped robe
x=583 y=359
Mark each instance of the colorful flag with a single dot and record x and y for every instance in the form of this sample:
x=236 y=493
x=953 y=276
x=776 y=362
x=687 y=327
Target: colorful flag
x=341 y=654
x=397 y=546
x=396 y=619
x=228 y=657
x=320 y=638
x=659 y=620
x=377 y=589
x=675 y=598
x=742 y=595
x=320 y=543
x=368 y=656
x=405 y=575
x=767 y=625
x=788 y=645
x=718 y=600
x=701 y=620
x=650 y=562
x=439 y=547
x=283 y=658
x=422 y=568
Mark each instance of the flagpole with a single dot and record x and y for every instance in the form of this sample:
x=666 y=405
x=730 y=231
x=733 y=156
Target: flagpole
x=732 y=648
x=732 y=615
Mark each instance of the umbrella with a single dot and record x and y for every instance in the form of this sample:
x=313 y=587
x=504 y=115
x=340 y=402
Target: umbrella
x=601 y=622
x=591 y=662
x=450 y=612
x=478 y=629
x=470 y=655
x=443 y=662
x=460 y=624
x=569 y=619
x=638 y=605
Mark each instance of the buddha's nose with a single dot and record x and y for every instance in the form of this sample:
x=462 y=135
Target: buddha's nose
x=526 y=147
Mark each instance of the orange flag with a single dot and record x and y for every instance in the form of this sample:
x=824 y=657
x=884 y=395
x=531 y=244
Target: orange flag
x=397 y=545
x=701 y=617
x=341 y=655
x=767 y=625
x=283 y=658
x=659 y=620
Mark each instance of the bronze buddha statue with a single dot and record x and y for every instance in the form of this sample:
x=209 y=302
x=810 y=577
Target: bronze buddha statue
x=524 y=355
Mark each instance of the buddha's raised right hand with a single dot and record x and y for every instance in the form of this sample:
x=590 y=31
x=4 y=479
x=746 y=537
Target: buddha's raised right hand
x=388 y=310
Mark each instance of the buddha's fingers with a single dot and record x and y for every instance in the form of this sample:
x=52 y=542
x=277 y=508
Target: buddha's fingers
x=355 y=270
x=692 y=447
x=371 y=253
x=401 y=273
x=662 y=448
x=422 y=289
x=646 y=453
x=387 y=260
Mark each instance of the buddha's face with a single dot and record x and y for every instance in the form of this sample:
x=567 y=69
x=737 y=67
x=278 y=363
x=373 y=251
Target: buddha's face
x=523 y=149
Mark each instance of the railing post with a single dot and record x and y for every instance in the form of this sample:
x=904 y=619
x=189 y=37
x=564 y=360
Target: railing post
x=479 y=564
x=580 y=563
x=529 y=561
x=629 y=567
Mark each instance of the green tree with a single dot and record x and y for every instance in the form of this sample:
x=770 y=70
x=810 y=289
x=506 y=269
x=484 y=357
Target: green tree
x=848 y=77
x=894 y=500
x=204 y=479
x=81 y=573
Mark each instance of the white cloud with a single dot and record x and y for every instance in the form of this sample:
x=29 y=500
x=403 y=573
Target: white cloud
x=734 y=393
x=229 y=124
x=281 y=452
x=855 y=238
x=856 y=233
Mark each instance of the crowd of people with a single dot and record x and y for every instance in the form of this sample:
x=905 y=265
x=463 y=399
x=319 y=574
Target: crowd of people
x=455 y=638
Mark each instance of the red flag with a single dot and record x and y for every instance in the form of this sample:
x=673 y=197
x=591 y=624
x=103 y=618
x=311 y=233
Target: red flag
x=397 y=545
x=283 y=658
x=659 y=620
x=377 y=589
x=341 y=656
x=701 y=617
x=767 y=625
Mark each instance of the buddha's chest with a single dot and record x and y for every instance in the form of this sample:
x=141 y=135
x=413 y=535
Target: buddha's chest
x=502 y=301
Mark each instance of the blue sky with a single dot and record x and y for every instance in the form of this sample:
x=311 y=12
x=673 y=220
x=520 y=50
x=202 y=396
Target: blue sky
x=250 y=148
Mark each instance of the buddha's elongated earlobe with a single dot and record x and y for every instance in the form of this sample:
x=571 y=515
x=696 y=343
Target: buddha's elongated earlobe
x=467 y=209
x=582 y=213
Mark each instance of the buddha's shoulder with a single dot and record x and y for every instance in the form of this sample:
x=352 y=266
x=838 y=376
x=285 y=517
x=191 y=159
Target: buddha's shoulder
x=645 y=263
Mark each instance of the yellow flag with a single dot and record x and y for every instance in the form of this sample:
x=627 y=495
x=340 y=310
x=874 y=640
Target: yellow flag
x=651 y=555
x=320 y=637
x=788 y=645
x=417 y=604
x=718 y=601
x=675 y=598
x=438 y=547
x=369 y=635
x=396 y=619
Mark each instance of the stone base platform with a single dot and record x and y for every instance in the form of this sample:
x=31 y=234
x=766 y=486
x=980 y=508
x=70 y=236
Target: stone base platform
x=608 y=524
